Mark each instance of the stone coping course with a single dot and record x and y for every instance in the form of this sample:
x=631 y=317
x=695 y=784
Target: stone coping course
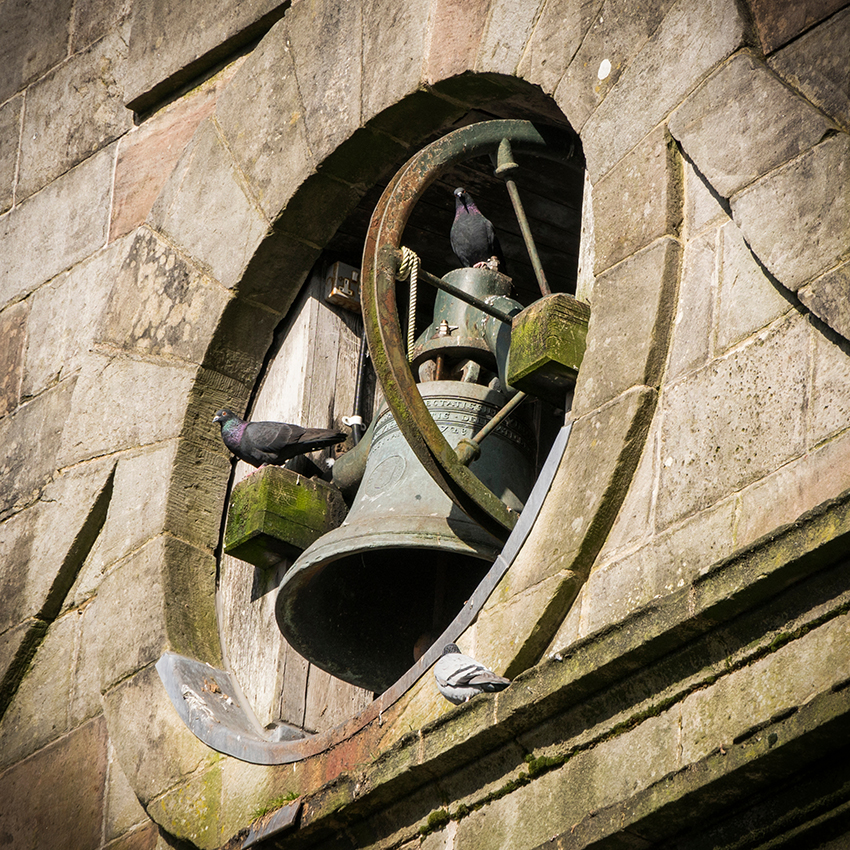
x=664 y=634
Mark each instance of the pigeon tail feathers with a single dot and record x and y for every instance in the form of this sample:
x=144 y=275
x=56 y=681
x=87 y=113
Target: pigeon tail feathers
x=459 y=677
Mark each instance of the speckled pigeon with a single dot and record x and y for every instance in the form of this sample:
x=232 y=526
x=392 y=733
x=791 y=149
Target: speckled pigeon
x=271 y=443
x=473 y=238
x=460 y=677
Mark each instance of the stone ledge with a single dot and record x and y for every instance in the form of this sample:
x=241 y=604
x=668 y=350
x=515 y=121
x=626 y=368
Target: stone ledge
x=671 y=804
x=727 y=590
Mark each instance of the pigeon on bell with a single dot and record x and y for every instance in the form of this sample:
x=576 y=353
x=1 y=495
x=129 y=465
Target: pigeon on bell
x=460 y=677
x=271 y=443
x=473 y=237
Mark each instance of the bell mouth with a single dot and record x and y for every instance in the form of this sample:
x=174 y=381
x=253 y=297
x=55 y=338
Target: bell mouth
x=367 y=615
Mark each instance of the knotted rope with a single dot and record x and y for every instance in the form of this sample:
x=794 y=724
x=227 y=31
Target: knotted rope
x=409 y=267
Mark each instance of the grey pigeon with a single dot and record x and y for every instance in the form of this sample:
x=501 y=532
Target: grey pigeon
x=473 y=238
x=272 y=443
x=460 y=677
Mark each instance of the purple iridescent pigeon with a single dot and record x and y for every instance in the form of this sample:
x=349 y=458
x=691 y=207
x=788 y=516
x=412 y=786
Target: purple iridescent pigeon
x=272 y=443
x=473 y=238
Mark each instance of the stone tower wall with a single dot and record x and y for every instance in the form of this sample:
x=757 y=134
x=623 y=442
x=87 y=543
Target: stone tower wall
x=676 y=619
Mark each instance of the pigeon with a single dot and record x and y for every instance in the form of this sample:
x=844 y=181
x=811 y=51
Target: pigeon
x=271 y=443
x=473 y=238
x=460 y=677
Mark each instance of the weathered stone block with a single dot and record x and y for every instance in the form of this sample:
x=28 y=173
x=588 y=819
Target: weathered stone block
x=613 y=38
x=77 y=207
x=318 y=206
x=93 y=19
x=16 y=543
x=506 y=34
x=49 y=543
x=137 y=512
x=638 y=201
x=326 y=38
x=153 y=401
x=243 y=337
x=146 y=837
x=143 y=612
x=547 y=345
x=559 y=30
x=13 y=339
x=664 y=565
x=627 y=338
x=262 y=117
x=777 y=24
x=457 y=27
x=56 y=797
x=797 y=218
x=10 y=129
x=394 y=38
x=159 y=303
x=64 y=318
x=264 y=281
x=416 y=116
x=277 y=513
x=749 y=418
x=830 y=399
x=17 y=645
x=148 y=154
x=170 y=44
x=816 y=65
x=152 y=763
x=520 y=625
x=746 y=299
x=123 y=810
x=85 y=685
x=741 y=701
x=691 y=344
x=570 y=629
x=533 y=813
x=72 y=113
x=690 y=41
x=601 y=456
x=828 y=297
x=743 y=122
x=191 y=811
x=795 y=488
x=214 y=220
x=30 y=437
x=368 y=157
x=34 y=39
x=634 y=519
x=702 y=204
x=38 y=713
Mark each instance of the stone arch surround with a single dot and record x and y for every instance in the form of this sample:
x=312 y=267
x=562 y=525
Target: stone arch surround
x=289 y=130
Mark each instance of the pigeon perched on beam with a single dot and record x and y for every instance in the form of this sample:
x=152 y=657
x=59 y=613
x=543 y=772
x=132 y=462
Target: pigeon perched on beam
x=271 y=443
x=472 y=236
x=460 y=677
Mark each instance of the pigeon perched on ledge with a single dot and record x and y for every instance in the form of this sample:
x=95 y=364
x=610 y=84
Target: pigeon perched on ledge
x=271 y=443
x=473 y=237
x=460 y=677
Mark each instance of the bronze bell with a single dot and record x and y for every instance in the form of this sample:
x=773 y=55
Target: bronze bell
x=365 y=597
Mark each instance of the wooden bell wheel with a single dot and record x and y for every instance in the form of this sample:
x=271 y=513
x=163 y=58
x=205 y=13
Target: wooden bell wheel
x=381 y=261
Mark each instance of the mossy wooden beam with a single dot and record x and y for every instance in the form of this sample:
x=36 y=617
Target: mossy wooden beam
x=276 y=513
x=547 y=346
